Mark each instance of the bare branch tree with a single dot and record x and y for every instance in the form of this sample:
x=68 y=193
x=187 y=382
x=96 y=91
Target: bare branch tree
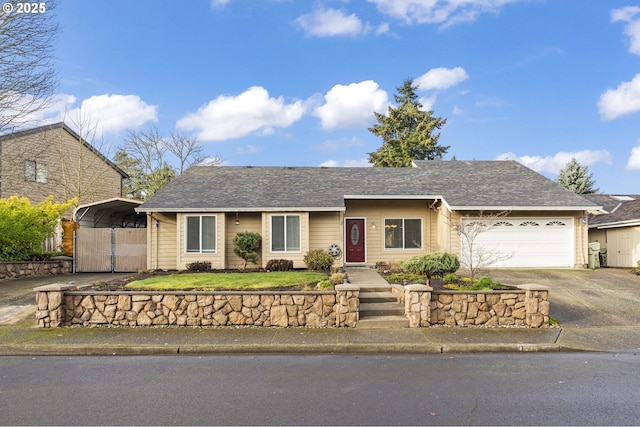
x=474 y=256
x=186 y=149
x=27 y=73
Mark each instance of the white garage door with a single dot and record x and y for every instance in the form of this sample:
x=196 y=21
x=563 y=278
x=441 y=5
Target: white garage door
x=524 y=242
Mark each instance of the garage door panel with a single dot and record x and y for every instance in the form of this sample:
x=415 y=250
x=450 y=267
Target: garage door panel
x=521 y=243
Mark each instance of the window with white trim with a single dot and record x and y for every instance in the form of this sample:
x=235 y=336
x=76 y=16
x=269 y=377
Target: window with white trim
x=285 y=233
x=200 y=234
x=402 y=233
x=36 y=171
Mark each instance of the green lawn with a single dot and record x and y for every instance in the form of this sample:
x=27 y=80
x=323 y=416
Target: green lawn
x=228 y=281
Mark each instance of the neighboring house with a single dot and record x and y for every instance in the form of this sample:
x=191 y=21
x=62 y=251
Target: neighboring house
x=371 y=214
x=617 y=231
x=53 y=160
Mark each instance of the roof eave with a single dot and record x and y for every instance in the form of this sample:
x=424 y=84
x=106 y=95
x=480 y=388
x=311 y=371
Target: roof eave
x=253 y=209
x=521 y=208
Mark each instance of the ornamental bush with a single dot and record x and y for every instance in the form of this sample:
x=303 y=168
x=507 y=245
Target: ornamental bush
x=318 y=259
x=246 y=246
x=279 y=265
x=435 y=264
x=24 y=227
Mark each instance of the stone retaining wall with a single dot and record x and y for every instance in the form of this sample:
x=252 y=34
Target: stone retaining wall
x=63 y=305
x=525 y=305
x=15 y=270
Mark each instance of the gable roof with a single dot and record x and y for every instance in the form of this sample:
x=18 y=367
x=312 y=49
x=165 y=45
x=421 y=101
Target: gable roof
x=473 y=185
x=63 y=126
x=622 y=210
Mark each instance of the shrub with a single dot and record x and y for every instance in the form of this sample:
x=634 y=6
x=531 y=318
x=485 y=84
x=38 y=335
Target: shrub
x=199 y=266
x=246 y=245
x=435 y=264
x=337 y=278
x=23 y=226
x=451 y=277
x=318 y=259
x=401 y=277
x=325 y=285
x=279 y=265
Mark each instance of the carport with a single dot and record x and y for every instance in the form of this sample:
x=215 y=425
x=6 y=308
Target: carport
x=109 y=236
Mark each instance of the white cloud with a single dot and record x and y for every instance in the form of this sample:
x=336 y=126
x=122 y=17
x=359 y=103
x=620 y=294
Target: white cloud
x=427 y=103
x=338 y=144
x=441 y=78
x=330 y=23
x=553 y=164
x=623 y=100
x=360 y=163
x=631 y=16
x=352 y=105
x=249 y=149
x=634 y=159
x=114 y=113
x=443 y=12
x=230 y=117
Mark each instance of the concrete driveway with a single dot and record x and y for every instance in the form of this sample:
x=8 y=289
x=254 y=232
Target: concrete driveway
x=17 y=298
x=607 y=297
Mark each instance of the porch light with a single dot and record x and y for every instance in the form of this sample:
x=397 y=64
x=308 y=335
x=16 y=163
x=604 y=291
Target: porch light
x=237 y=219
x=373 y=224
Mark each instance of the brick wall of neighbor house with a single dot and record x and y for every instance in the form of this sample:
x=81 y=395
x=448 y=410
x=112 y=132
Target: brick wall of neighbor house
x=162 y=242
x=68 y=162
x=217 y=259
x=298 y=256
x=325 y=229
x=376 y=211
x=249 y=221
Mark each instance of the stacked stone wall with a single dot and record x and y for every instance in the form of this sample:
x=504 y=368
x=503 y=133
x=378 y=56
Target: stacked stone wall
x=16 y=270
x=525 y=305
x=61 y=305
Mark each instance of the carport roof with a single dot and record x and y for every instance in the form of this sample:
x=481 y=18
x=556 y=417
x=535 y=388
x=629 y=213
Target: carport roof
x=463 y=185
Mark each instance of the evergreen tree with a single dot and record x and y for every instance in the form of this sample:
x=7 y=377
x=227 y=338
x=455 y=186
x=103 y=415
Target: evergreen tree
x=576 y=177
x=407 y=132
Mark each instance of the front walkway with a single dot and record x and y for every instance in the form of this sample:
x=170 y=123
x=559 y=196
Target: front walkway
x=365 y=277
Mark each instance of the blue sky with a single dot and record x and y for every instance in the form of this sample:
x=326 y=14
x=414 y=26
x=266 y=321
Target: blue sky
x=276 y=82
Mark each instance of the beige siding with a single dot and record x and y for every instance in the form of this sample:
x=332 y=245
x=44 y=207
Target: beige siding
x=162 y=242
x=297 y=256
x=247 y=222
x=217 y=259
x=325 y=229
x=622 y=245
x=73 y=170
x=376 y=211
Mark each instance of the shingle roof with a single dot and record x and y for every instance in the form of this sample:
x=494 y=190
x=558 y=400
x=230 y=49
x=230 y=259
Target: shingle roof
x=621 y=209
x=499 y=184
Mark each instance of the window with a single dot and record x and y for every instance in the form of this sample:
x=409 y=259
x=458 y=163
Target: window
x=285 y=233
x=201 y=234
x=35 y=171
x=402 y=233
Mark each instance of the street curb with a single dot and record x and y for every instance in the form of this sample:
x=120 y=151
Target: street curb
x=195 y=349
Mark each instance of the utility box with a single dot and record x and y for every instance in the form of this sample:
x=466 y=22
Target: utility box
x=594 y=255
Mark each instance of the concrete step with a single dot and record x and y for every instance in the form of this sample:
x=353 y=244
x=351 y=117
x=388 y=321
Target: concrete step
x=380 y=309
x=368 y=297
x=383 y=322
x=374 y=288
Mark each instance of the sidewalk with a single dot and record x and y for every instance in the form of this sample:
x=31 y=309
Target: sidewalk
x=24 y=338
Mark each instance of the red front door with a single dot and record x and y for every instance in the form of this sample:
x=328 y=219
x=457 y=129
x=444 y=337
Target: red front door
x=355 y=240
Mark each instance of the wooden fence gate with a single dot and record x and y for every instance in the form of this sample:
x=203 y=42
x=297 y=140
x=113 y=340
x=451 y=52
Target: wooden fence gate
x=115 y=250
